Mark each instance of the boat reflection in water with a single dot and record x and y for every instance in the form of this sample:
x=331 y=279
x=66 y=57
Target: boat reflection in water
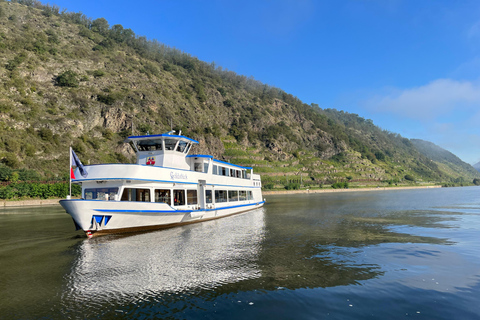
x=179 y=260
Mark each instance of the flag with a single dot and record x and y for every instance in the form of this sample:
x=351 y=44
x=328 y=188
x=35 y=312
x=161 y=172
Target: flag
x=76 y=162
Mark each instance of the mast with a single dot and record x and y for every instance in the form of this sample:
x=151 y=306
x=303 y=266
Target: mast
x=70 y=173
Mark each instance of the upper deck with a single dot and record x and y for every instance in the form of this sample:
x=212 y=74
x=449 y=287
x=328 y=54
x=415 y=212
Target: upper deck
x=172 y=151
x=162 y=150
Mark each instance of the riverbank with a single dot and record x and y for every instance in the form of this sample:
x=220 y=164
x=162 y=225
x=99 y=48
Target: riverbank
x=22 y=203
x=273 y=192
x=48 y=202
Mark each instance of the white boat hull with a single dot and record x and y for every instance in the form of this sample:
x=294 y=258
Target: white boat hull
x=96 y=217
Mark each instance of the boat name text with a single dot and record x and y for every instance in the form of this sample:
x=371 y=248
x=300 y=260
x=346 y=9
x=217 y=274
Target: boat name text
x=177 y=176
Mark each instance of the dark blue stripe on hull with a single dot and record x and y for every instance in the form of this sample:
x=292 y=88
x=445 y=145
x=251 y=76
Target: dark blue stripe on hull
x=178 y=211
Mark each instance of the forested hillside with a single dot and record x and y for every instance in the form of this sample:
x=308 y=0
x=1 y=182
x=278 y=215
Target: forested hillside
x=68 y=79
x=446 y=160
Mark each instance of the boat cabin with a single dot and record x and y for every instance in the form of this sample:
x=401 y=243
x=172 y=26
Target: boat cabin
x=171 y=151
x=162 y=150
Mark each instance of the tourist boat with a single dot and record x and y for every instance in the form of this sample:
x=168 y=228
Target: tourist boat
x=166 y=187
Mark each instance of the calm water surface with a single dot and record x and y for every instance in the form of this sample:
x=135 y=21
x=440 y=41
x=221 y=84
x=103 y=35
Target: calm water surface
x=364 y=255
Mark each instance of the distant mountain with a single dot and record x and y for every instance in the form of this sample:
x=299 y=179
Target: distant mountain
x=447 y=161
x=477 y=166
x=67 y=80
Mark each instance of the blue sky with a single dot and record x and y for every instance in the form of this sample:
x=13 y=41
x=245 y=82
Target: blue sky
x=411 y=66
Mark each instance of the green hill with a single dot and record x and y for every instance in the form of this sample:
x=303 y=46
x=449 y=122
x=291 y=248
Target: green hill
x=70 y=80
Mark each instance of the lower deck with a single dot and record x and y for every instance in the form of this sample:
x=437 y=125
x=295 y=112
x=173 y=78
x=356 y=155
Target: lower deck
x=178 y=197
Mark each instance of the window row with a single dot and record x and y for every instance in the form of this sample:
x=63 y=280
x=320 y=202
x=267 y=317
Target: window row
x=163 y=144
x=223 y=171
x=177 y=197
x=228 y=196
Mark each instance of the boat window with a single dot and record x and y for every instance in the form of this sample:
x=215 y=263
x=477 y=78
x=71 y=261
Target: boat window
x=187 y=149
x=232 y=195
x=198 y=167
x=178 y=197
x=208 y=196
x=149 y=145
x=205 y=167
x=242 y=195
x=182 y=145
x=238 y=174
x=215 y=169
x=100 y=193
x=133 y=194
x=163 y=195
x=232 y=173
x=170 y=144
x=249 y=195
x=220 y=196
x=224 y=171
x=191 y=197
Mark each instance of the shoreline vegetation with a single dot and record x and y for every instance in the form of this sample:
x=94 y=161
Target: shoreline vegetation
x=54 y=201
x=378 y=188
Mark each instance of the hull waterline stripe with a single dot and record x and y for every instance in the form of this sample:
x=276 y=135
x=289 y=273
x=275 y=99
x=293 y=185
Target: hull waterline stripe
x=179 y=211
x=94 y=233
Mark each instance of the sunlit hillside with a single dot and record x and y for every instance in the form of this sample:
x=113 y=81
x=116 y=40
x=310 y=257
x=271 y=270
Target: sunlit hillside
x=68 y=79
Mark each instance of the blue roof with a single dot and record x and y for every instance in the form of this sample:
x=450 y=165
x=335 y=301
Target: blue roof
x=163 y=135
x=215 y=160
x=200 y=156
x=231 y=164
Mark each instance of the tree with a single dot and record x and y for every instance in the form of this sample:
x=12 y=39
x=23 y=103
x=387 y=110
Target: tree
x=476 y=181
x=380 y=156
x=100 y=25
x=116 y=32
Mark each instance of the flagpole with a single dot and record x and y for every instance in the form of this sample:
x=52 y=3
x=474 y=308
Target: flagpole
x=70 y=172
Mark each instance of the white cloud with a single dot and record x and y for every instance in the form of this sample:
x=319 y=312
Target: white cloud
x=444 y=111
x=469 y=69
x=435 y=99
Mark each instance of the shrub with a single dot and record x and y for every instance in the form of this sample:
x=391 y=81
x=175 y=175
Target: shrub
x=12 y=64
x=222 y=91
x=409 y=177
x=67 y=79
x=11 y=160
x=340 y=185
x=28 y=175
x=380 y=156
x=38 y=190
x=46 y=134
x=228 y=103
x=5 y=172
x=98 y=73
x=268 y=186
x=292 y=186
x=107 y=99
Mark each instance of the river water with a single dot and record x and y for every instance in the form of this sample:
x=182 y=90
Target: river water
x=360 y=255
